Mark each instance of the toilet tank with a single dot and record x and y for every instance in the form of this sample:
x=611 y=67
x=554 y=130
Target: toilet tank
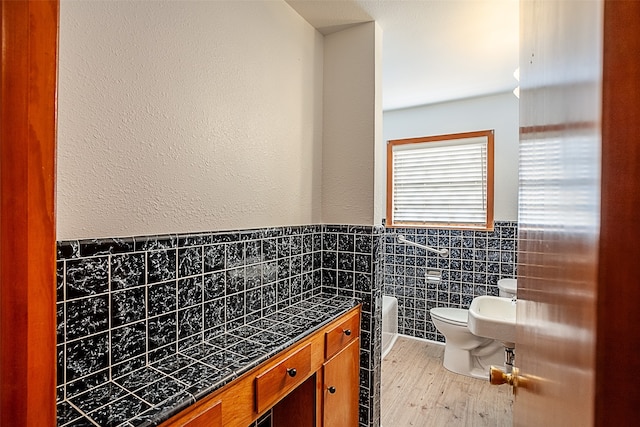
x=508 y=288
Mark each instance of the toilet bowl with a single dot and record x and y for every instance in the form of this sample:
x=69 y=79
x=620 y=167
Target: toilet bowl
x=464 y=352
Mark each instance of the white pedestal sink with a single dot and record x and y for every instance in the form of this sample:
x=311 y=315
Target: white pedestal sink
x=493 y=317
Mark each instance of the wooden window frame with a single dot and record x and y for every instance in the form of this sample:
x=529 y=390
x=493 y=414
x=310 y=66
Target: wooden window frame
x=489 y=134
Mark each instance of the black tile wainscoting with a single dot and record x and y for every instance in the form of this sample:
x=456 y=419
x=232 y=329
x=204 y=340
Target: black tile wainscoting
x=477 y=259
x=352 y=266
x=126 y=304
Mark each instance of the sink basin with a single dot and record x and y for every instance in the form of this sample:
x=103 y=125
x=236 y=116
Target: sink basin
x=493 y=317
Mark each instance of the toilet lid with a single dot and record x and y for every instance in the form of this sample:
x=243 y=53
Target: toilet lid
x=457 y=316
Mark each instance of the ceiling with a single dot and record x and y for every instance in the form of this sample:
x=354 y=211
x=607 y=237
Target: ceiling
x=433 y=50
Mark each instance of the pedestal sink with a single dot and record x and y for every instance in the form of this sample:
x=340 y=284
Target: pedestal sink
x=493 y=317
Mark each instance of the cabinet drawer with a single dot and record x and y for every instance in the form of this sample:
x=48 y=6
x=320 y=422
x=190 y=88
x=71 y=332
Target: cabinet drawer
x=338 y=337
x=275 y=382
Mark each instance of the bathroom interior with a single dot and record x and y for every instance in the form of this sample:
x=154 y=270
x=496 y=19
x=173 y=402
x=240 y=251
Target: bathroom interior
x=208 y=179
x=209 y=176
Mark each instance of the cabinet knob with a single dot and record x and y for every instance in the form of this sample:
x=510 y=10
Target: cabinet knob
x=292 y=372
x=331 y=389
x=347 y=332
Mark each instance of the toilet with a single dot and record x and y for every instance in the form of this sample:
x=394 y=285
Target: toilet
x=464 y=352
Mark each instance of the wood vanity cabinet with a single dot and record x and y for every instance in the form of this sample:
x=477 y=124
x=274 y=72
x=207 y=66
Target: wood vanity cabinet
x=341 y=388
x=330 y=398
x=313 y=383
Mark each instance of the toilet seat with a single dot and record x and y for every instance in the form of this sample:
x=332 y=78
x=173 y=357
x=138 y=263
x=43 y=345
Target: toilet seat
x=453 y=316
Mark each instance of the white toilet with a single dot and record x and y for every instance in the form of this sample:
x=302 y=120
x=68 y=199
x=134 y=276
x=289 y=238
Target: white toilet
x=465 y=353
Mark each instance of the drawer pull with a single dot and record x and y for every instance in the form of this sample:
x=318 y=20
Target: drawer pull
x=347 y=332
x=292 y=372
x=331 y=389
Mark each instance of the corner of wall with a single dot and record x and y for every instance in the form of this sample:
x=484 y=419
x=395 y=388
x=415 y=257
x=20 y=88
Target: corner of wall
x=349 y=124
x=379 y=193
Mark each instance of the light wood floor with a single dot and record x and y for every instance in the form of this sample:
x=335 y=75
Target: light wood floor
x=418 y=391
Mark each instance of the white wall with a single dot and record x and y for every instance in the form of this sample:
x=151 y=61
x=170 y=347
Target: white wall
x=352 y=106
x=187 y=116
x=499 y=112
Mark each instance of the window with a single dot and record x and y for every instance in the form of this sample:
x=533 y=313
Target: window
x=443 y=181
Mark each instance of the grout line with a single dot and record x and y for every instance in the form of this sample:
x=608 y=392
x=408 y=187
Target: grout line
x=110 y=311
x=177 y=282
x=64 y=330
x=82 y=413
x=146 y=310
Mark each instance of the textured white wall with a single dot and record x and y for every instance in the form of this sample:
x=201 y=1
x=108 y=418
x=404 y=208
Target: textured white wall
x=380 y=151
x=187 y=116
x=350 y=112
x=499 y=112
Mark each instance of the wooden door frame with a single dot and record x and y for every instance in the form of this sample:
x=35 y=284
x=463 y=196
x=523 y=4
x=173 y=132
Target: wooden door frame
x=27 y=215
x=618 y=317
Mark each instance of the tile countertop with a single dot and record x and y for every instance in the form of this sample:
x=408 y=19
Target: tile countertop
x=156 y=392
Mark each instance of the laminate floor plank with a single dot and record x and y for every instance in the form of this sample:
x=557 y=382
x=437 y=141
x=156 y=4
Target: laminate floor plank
x=418 y=391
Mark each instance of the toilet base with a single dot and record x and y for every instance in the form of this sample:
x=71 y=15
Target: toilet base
x=474 y=363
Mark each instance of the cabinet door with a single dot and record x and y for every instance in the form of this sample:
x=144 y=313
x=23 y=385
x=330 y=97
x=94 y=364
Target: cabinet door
x=341 y=387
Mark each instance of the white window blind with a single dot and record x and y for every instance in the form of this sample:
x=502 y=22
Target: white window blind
x=441 y=182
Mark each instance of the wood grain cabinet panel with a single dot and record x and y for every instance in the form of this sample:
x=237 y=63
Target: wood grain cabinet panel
x=341 y=388
x=205 y=416
x=298 y=409
x=273 y=384
x=344 y=333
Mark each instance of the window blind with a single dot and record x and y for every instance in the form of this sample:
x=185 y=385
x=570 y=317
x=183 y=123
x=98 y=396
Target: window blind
x=551 y=186
x=440 y=182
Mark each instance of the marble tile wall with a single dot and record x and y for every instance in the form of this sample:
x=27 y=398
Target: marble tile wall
x=477 y=260
x=352 y=266
x=125 y=303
